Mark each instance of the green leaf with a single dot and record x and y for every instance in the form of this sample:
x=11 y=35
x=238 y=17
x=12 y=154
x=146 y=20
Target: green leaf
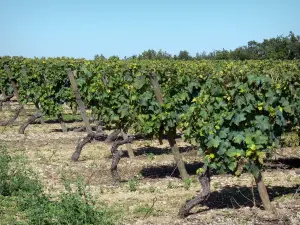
x=261 y=139
x=271 y=98
x=80 y=82
x=232 y=166
x=203 y=114
x=224 y=133
x=249 y=98
x=238 y=117
x=240 y=101
x=215 y=142
x=262 y=122
x=231 y=152
x=221 y=150
x=139 y=82
x=238 y=139
x=248 y=140
x=288 y=109
x=254 y=170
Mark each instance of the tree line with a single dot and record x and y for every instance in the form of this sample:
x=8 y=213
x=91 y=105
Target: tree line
x=278 y=48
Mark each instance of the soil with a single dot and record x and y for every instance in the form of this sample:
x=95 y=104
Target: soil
x=150 y=191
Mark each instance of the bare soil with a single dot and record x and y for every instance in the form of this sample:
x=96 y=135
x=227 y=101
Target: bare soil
x=151 y=191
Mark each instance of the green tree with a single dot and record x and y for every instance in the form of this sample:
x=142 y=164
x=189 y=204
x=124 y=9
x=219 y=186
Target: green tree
x=184 y=55
x=149 y=54
x=99 y=57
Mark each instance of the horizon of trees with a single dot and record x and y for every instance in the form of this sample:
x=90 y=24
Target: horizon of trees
x=280 y=47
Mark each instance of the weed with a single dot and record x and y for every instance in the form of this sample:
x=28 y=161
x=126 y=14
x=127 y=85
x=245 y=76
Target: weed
x=22 y=198
x=139 y=176
x=15 y=176
x=150 y=156
x=133 y=183
x=187 y=183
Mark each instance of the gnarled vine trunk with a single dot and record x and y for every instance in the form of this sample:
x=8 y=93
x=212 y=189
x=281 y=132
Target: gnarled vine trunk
x=79 y=129
x=41 y=118
x=80 y=146
x=116 y=156
x=204 y=179
x=29 y=121
x=112 y=136
x=87 y=139
x=99 y=128
x=128 y=145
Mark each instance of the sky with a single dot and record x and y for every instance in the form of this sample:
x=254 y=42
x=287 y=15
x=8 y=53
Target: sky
x=82 y=29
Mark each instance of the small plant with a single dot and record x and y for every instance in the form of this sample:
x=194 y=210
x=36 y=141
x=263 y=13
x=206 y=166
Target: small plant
x=187 y=183
x=139 y=176
x=133 y=183
x=25 y=196
x=150 y=156
x=15 y=176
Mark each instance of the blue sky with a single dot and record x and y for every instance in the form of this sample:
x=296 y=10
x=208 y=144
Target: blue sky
x=78 y=28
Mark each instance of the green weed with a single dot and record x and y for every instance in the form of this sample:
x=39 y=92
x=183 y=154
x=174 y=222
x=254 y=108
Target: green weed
x=23 y=200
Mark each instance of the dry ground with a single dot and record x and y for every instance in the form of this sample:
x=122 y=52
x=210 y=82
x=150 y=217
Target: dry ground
x=159 y=192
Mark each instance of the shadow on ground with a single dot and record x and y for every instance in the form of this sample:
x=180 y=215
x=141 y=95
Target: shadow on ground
x=55 y=121
x=159 y=151
x=75 y=129
x=284 y=163
x=163 y=171
x=241 y=196
x=147 y=151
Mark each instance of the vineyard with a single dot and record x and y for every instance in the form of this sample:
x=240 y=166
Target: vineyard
x=161 y=142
